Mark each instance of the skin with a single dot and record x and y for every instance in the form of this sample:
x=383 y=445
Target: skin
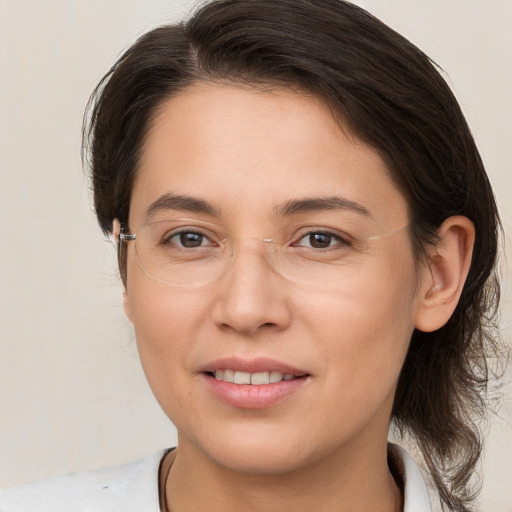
x=322 y=448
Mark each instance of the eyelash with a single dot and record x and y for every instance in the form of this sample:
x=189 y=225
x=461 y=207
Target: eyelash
x=168 y=239
x=340 y=241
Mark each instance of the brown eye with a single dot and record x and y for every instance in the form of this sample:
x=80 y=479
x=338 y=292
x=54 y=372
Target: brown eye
x=321 y=240
x=189 y=239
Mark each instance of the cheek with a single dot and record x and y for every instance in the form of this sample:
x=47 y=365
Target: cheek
x=158 y=311
x=167 y=324
x=364 y=330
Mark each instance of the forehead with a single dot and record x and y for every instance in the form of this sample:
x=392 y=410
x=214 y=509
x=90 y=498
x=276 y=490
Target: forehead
x=248 y=150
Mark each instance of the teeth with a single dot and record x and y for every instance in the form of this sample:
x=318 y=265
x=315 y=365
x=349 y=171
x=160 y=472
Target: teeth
x=256 y=379
x=260 y=378
x=242 y=378
x=275 y=377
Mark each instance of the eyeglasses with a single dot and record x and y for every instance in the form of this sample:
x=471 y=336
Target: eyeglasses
x=185 y=252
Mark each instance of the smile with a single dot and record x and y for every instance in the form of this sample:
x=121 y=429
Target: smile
x=254 y=379
x=253 y=384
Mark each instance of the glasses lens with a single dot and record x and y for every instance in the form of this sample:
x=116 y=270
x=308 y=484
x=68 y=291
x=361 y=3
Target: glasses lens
x=181 y=253
x=178 y=253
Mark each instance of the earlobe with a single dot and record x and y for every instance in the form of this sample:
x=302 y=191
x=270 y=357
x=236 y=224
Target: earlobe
x=445 y=274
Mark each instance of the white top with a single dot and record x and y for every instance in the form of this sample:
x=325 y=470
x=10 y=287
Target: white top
x=133 y=487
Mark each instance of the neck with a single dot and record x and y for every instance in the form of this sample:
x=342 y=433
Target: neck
x=355 y=480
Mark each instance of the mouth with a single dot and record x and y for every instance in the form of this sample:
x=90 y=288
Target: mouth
x=255 y=379
x=254 y=384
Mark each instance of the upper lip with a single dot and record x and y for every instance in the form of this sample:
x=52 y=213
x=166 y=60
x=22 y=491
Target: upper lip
x=257 y=365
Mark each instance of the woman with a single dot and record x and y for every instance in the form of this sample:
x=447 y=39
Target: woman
x=307 y=240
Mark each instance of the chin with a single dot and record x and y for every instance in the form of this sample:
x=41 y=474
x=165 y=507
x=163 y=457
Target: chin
x=259 y=458
x=259 y=450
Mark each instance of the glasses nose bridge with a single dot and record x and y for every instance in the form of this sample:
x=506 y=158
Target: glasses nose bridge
x=265 y=248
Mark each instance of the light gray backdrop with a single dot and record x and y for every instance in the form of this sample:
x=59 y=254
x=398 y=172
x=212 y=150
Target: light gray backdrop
x=72 y=394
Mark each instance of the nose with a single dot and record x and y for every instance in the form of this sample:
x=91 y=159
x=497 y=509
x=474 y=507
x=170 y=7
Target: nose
x=252 y=297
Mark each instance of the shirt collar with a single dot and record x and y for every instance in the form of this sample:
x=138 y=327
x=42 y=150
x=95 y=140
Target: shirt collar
x=416 y=498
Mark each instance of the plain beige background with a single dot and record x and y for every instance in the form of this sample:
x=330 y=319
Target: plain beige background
x=72 y=394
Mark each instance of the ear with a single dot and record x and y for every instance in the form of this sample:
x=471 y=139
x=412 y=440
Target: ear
x=445 y=274
x=116 y=231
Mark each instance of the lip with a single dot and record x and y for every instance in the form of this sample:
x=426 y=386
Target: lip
x=260 y=364
x=246 y=396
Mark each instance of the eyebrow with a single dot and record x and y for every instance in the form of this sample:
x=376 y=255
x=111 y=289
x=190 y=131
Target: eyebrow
x=181 y=203
x=293 y=207
x=318 y=204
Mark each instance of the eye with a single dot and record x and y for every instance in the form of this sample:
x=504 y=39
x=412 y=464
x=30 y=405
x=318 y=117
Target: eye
x=189 y=240
x=321 y=240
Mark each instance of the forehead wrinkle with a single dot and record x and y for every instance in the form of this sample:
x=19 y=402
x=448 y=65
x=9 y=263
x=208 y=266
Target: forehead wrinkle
x=181 y=203
x=316 y=204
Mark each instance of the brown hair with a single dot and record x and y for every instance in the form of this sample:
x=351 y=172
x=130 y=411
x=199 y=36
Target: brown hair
x=391 y=96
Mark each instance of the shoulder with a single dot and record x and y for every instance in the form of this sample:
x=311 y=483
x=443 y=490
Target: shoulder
x=126 y=488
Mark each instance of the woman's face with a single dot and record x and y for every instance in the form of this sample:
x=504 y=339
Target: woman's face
x=317 y=282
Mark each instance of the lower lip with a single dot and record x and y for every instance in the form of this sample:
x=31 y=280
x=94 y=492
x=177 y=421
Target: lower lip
x=248 y=396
